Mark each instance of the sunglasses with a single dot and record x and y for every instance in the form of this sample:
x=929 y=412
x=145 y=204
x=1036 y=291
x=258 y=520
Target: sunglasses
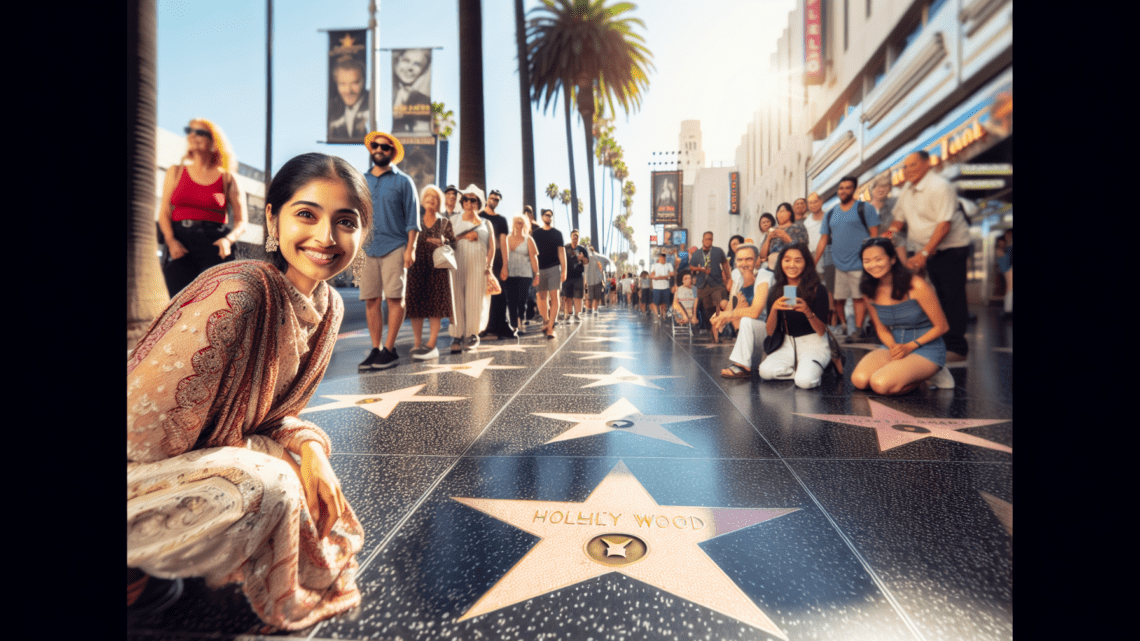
x=469 y=200
x=383 y=146
x=205 y=133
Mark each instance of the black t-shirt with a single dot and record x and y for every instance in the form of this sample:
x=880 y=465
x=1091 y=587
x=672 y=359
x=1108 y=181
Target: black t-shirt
x=574 y=267
x=547 y=241
x=798 y=324
x=499 y=224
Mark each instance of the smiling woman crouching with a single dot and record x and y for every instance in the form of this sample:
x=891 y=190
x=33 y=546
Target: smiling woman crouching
x=224 y=480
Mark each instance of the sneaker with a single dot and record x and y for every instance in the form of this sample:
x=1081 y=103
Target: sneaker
x=577 y=318
x=456 y=345
x=471 y=343
x=942 y=380
x=366 y=366
x=426 y=354
x=388 y=358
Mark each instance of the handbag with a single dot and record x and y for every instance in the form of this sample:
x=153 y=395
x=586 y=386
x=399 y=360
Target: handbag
x=773 y=342
x=444 y=257
x=836 y=351
x=493 y=288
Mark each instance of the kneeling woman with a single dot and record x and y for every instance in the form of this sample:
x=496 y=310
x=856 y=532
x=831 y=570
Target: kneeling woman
x=804 y=352
x=909 y=321
x=224 y=480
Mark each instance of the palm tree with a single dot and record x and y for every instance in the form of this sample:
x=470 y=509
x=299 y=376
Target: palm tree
x=472 y=163
x=525 y=110
x=577 y=47
x=443 y=124
x=565 y=197
x=146 y=290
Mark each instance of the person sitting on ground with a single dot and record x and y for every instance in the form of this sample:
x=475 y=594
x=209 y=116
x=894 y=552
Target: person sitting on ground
x=224 y=480
x=745 y=312
x=909 y=322
x=684 y=303
x=804 y=353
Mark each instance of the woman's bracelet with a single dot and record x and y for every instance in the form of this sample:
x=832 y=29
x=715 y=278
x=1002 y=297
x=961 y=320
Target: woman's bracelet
x=917 y=343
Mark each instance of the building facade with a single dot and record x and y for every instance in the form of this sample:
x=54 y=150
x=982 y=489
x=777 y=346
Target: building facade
x=894 y=77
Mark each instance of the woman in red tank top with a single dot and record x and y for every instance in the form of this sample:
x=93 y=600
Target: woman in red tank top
x=192 y=216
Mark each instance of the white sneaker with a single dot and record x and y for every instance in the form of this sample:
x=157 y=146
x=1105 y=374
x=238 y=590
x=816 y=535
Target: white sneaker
x=424 y=354
x=942 y=380
x=577 y=318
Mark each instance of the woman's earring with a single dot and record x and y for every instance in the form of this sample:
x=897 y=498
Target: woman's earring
x=358 y=265
x=270 y=243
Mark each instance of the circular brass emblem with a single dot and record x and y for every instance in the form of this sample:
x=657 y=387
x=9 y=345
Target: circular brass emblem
x=365 y=401
x=616 y=550
x=621 y=422
x=914 y=429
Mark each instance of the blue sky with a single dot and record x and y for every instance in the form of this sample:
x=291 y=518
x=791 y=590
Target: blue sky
x=711 y=61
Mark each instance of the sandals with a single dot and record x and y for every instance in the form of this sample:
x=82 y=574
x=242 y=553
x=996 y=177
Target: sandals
x=735 y=371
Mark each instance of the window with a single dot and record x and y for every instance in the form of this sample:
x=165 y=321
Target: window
x=935 y=5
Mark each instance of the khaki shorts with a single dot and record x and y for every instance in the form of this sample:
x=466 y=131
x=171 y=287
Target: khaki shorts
x=847 y=284
x=384 y=277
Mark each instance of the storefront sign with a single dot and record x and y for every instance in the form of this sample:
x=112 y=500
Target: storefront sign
x=734 y=193
x=814 y=73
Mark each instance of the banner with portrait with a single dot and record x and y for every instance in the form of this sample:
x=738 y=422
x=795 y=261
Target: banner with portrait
x=419 y=159
x=411 y=91
x=666 y=198
x=349 y=113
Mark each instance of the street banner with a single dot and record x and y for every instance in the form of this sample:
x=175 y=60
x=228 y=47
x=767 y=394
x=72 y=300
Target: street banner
x=411 y=92
x=348 y=94
x=419 y=159
x=666 y=198
x=814 y=72
x=734 y=193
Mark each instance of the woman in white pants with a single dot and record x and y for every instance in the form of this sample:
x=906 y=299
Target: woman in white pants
x=804 y=354
x=474 y=253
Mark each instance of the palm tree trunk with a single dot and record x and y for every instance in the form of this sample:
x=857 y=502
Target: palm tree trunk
x=529 y=193
x=146 y=289
x=472 y=162
x=594 y=229
x=570 y=151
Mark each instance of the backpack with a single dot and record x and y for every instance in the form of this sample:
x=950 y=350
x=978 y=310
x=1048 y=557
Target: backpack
x=862 y=219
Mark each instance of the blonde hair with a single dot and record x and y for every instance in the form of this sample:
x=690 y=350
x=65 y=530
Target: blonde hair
x=526 y=224
x=223 y=155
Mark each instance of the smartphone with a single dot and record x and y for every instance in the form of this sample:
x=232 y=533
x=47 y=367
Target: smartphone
x=790 y=292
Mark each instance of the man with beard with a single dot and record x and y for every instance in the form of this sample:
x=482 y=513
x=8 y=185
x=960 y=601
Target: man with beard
x=348 y=111
x=711 y=272
x=450 y=202
x=800 y=209
x=746 y=308
x=498 y=326
x=395 y=226
x=845 y=227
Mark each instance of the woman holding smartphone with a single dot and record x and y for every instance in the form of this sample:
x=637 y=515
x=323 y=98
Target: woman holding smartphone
x=804 y=353
x=908 y=320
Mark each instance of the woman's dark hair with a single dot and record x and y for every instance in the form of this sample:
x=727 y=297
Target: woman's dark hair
x=900 y=274
x=791 y=213
x=731 y=251
x=304 y=169
x=809 y=279
x=770 y=217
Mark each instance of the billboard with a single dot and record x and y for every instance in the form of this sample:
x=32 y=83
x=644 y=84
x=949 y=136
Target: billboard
x=666 y=200
x=814 y=72
x=349 y=115
x=411 y=92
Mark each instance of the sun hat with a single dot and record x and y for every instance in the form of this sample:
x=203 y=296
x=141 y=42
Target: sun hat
x=392 y=139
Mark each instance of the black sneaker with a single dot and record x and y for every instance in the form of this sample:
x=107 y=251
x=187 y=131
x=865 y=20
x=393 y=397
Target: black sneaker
x=369 y=362
x=388 y=358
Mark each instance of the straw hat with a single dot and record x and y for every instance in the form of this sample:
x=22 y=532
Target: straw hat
x=392 y=139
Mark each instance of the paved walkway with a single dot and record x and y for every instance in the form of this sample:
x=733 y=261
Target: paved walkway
x=611 y=485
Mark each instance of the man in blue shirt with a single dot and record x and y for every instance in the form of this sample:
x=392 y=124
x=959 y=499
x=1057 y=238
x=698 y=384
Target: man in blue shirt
x=849 y=223
x=392 y=249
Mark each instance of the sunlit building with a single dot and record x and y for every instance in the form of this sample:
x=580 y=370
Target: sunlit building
x=857 y=85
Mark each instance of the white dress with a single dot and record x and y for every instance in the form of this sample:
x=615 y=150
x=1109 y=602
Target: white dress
x=471 y=310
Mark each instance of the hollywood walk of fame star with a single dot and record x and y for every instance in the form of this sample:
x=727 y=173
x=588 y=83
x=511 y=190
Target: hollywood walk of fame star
x=1003 y=510
x=596 y=355
x=620 y=509
x=380 y=404
x=620 y=375
x=895 y=428
x=622 y=416
x=479 y=349
x=474 y=369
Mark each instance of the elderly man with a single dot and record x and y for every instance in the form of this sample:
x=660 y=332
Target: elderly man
x=746 y=308
x=938 y=239
x=392 y=250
